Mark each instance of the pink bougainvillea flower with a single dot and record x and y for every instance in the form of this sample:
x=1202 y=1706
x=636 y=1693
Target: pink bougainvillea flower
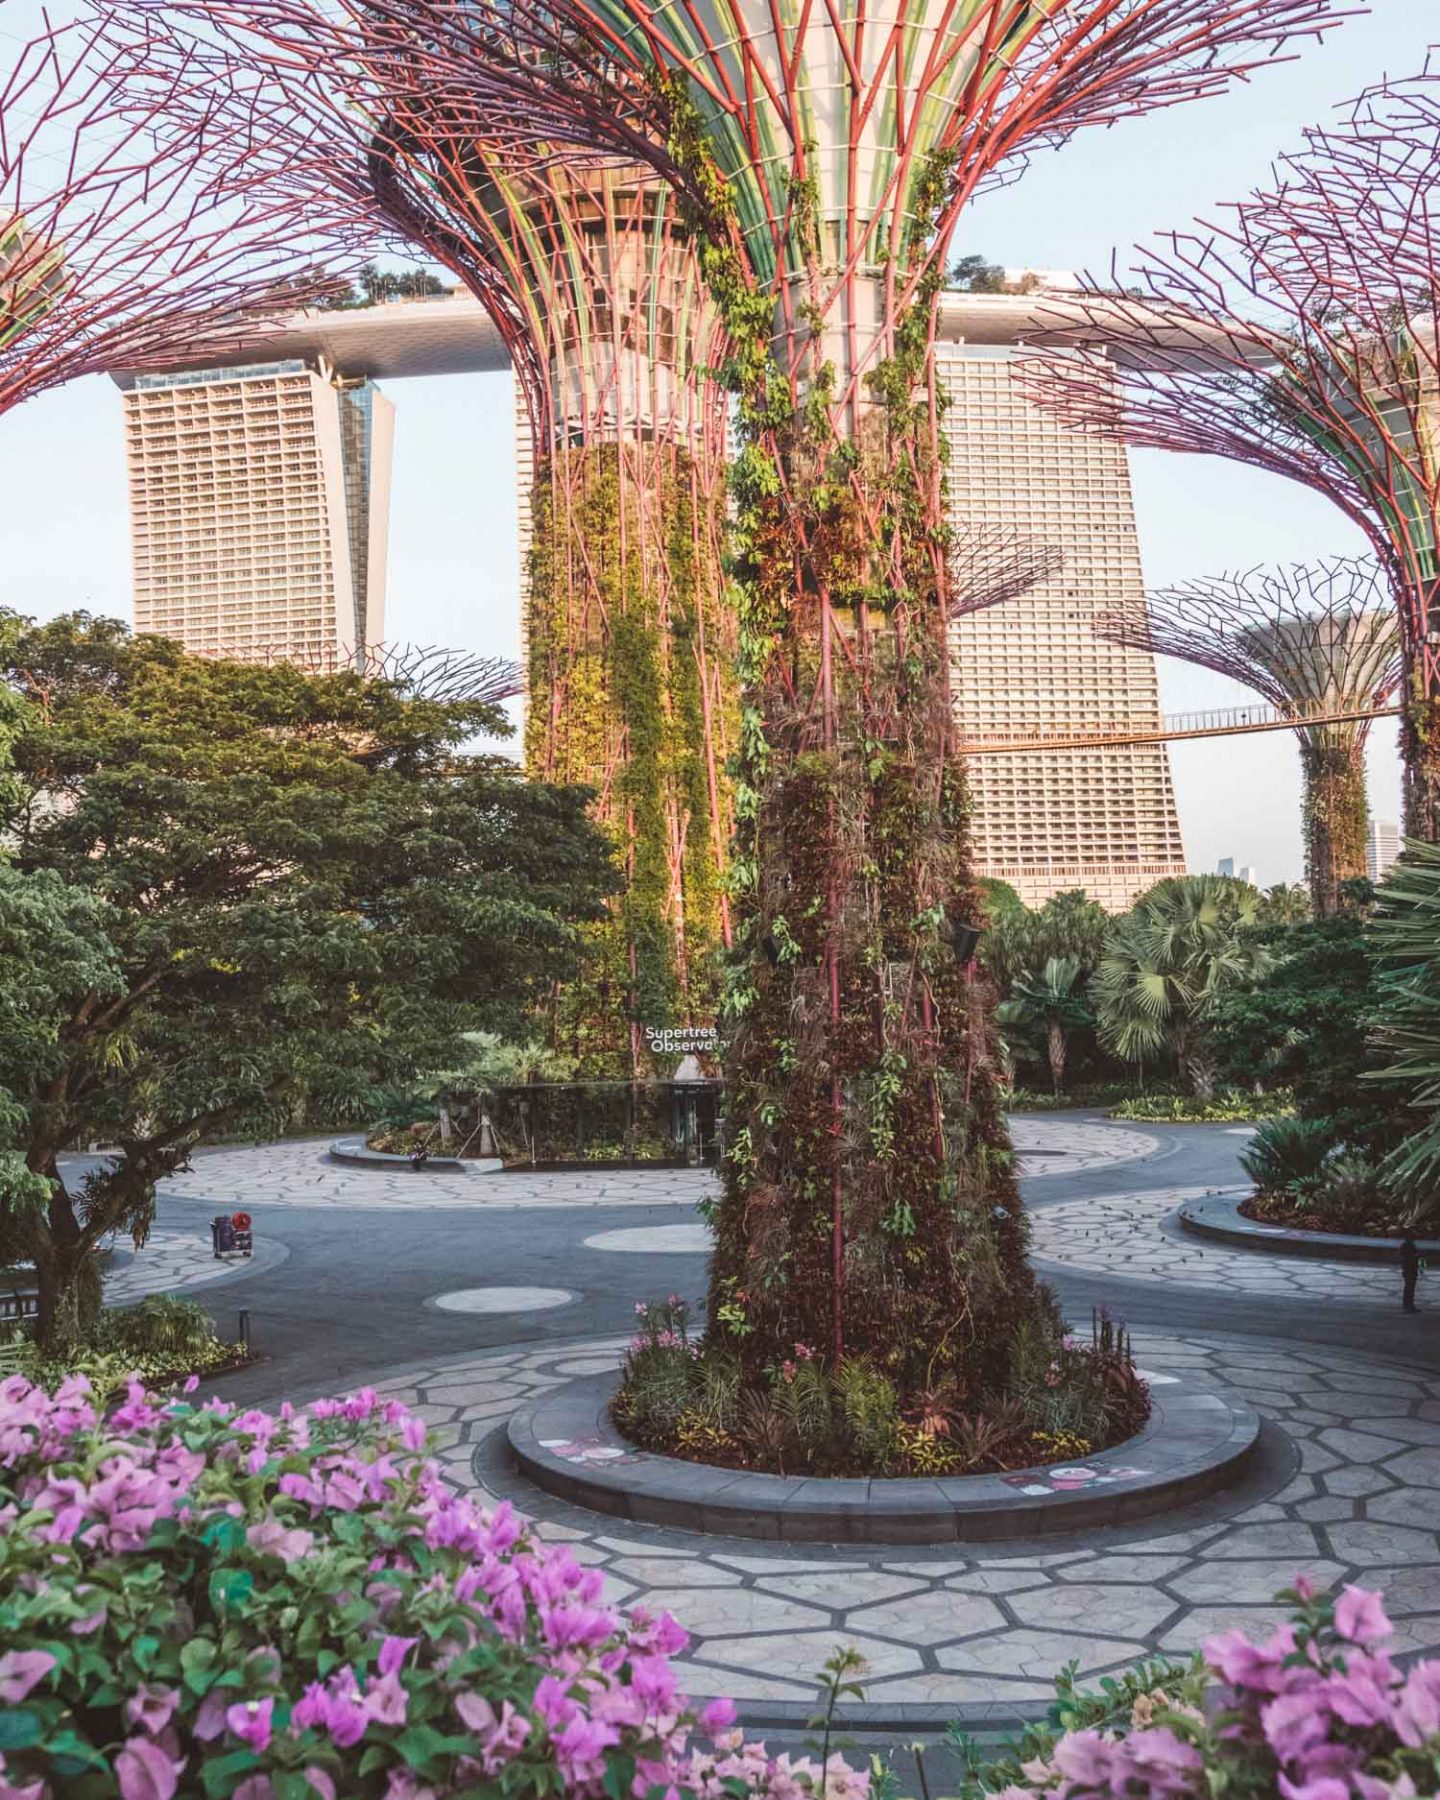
x=1360 y=1616
x=144 y=1772
x=151 y=1709
x=271 y=1537
x=1326 y=1787
x=21 y=1670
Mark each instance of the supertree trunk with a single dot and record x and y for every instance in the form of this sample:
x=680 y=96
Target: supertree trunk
x=1332 y=763
x=868 y=1207
x=631 y=692
x=1420 y=748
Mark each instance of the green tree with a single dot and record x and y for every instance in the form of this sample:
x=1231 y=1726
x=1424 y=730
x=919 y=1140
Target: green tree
x=236 y=887
x=1022 y=939
x=1167 y=963
x=1287 y=903
x=1303 y=1022
x=1045 y=1010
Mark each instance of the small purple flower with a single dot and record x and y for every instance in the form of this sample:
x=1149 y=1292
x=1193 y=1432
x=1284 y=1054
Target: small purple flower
x=386 y=1701
x=393 y=1653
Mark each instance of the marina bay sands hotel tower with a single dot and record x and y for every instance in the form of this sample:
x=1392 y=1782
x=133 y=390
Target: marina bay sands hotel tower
x=259 y=506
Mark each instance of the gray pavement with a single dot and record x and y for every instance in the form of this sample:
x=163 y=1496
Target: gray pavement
x=1348 y=1485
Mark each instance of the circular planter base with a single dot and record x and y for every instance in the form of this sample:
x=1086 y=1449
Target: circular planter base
x=1218 y=1218
x=1196 y=1441
x=357 y=1152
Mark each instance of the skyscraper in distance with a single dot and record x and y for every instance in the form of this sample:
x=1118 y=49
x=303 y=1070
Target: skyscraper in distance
x=1382 y=847
x=260 y=487
x=1100 y=819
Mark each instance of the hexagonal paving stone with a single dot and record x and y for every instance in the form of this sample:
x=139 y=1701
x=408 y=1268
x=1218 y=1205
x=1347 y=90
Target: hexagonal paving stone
x=657 y=1571
x=731 y=1610
x=1135 y=1566
x=1357 y=1446
x=1420 y=1468
x=841 y=1591
x=1246 y=1582
x=1365 y=1541
x=1041 y=1653
x=1191 y=1630
x=1405 y=1431
x=1407 y=1506
x=998 y=1581
x=959 y=1690
x=1357 y=1482
x=1289 y=1539
x=1116 y=1609
x=801 y=1655
x=1406 y=1590
x=1420 y=1634
x=932 y=1618
x=1326 y=1510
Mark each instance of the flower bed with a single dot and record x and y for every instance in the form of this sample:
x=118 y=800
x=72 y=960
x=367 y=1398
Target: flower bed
x=212 y=1602
x=1319 y=1711
x=686 y=1397
x=1303 y=1215
x=1232 y=1105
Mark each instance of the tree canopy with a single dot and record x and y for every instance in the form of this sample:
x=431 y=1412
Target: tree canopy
x=232 y=887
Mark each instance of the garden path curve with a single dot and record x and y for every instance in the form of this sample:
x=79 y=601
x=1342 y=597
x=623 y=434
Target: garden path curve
x=982 y=1630
x=1132 y=1235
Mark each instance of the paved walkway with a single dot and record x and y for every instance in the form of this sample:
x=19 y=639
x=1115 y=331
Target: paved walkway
x=300 y=1172
x=174 y=1262
x=1360 y=1500
x=1349 y=1486
x=1130 y=1235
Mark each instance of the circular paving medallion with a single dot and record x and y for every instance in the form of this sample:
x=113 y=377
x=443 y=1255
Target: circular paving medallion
x=502 y=1299
x=669 y=1240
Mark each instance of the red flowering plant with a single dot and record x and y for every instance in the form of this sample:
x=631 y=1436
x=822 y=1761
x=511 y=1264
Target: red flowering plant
x=201 y=1601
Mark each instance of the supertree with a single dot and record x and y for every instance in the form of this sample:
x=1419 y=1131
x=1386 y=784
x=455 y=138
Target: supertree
x=821 y=158
x=630 y=644
x=1321 y=642
x=1299 y=335
x=426 y=670
x=116 y=250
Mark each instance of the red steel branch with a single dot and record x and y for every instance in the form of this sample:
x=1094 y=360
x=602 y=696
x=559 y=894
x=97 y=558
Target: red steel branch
x=857 y=109
x=425 y=670
x=117 y=248
x=1298 y=334
x=1311 y=638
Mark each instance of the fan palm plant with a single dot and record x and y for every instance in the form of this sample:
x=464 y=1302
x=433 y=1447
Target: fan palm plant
x=1186 y=942
x=1404 y=937
x=1048 y=1006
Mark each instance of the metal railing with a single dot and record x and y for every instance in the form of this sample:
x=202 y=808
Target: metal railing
x=1219 y=722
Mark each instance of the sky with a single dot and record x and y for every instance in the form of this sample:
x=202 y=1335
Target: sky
x=454 y=575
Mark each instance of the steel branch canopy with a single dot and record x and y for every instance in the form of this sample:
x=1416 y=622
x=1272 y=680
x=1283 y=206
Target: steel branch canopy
x=117 y=247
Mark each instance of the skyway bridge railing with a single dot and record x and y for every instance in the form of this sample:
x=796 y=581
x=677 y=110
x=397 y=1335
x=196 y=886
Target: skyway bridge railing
x=1222 y=722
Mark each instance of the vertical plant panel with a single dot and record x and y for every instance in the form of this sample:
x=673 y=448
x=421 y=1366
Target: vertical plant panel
x=631 y=694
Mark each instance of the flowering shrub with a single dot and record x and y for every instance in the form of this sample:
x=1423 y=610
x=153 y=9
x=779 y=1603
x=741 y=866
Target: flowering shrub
x=201 y=1601
x=1319 y=1711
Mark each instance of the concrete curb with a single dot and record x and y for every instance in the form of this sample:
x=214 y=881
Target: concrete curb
x=1218 y=1218
x=1197 y=1440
